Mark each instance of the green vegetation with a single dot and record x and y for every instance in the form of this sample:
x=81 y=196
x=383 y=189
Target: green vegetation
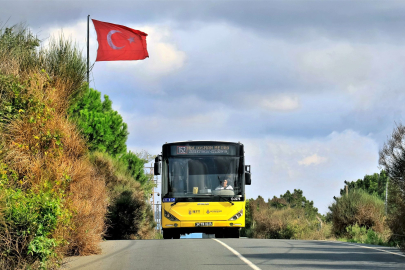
x=358 y=207
x=295 y=200
x=54 y=195
x=392 y=159
x=129 y=216
x=128 y=187
x=372 y=184
x=357 y=234
x=359 y=217
x=102 y=127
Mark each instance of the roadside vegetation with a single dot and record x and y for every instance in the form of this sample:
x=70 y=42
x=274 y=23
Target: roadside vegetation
x=290 y=216
x=62 y=189
x=359 y=215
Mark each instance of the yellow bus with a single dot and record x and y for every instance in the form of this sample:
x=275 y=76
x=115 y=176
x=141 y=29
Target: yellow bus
x=203 y=188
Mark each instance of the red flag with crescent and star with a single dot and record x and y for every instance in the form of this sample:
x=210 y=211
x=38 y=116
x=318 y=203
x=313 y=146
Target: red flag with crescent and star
x=117 y=42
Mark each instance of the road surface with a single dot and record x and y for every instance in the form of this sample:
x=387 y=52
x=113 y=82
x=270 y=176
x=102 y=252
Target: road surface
x=237 y=254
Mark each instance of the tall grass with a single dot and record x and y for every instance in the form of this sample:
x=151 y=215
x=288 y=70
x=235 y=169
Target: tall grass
x=18 y=50
x=20 y=55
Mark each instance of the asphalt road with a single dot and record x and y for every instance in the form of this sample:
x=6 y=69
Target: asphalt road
x=253 y=254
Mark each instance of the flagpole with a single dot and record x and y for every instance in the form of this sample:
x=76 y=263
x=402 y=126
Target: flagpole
x=88 y=61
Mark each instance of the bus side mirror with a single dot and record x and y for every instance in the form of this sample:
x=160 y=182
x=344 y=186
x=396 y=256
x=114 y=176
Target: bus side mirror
x=248 y=180
x=157 y=169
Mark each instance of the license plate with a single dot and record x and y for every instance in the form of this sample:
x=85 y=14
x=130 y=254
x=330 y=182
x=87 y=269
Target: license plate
x=203 y=224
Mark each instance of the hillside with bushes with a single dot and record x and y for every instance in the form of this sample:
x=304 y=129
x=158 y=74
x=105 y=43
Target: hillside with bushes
x=62 y=189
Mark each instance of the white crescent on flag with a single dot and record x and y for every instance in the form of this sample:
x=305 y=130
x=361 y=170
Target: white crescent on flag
x=110 y=41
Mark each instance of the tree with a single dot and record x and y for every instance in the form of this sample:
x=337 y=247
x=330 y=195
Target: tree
x=297 y=200
x=135 y=167
x=103 y=127
x=392 y=159
x=372 y=184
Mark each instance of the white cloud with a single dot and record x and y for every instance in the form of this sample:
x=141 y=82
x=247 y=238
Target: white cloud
x=314 y=159
x=281 y=103
x=276 y=164
x=164 y=56
x=220 y=81
x=340 y=63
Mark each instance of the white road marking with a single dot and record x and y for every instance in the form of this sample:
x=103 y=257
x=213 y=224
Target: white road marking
x=253 y=266
x=357 y=245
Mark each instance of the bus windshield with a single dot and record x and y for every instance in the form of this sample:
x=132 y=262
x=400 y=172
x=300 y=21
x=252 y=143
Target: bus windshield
x=203 y=176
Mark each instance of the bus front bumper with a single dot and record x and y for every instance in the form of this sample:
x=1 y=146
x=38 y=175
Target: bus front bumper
x=202 y=224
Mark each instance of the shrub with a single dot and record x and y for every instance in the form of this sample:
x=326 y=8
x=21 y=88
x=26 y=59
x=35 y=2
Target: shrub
x=29 y=221
x=129 y=215
x=357 y=234
x=285 y=223
x=358 y=207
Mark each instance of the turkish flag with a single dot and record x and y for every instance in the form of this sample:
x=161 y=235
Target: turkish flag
x=117 y=42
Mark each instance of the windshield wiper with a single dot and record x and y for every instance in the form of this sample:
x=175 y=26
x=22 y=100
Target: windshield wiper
x=224 y=198
x=188 y=198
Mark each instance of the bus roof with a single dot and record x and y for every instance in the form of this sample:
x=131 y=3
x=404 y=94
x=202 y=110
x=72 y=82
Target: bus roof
x=202 y=141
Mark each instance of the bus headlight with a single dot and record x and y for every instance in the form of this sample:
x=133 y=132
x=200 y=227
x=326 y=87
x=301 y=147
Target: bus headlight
x=238 y=215
x=170 y=216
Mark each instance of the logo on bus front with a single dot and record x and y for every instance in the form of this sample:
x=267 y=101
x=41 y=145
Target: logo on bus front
x=182 y=150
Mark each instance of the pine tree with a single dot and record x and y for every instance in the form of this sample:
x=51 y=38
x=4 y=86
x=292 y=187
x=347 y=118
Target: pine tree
x=103 y=127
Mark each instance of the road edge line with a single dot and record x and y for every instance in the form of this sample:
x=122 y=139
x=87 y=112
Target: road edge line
x=252 y=265
x=358 y=245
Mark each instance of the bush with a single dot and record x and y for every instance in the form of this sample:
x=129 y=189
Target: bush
x=299 y=222
x=29 y=221
x=129 y=215
x=357 y=234
x=358 y=207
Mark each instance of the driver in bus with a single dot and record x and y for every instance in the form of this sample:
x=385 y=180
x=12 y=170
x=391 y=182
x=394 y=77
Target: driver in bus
x=224 y=186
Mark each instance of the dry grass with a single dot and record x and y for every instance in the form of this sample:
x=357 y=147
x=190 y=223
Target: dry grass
x=39 y=161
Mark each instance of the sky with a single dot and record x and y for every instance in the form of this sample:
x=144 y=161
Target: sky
x=312 y=89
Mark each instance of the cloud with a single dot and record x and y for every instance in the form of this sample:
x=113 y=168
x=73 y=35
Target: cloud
x=314 y=159
x=282 y=103
x=339 y=156
x=164 y=56
x=337 y=63
x=311 y=89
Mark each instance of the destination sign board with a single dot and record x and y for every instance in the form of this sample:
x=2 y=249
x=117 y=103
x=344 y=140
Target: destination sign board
x=203 y=150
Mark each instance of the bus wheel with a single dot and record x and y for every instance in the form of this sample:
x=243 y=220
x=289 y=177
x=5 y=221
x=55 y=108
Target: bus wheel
x=167 y=234
x=176 y=236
